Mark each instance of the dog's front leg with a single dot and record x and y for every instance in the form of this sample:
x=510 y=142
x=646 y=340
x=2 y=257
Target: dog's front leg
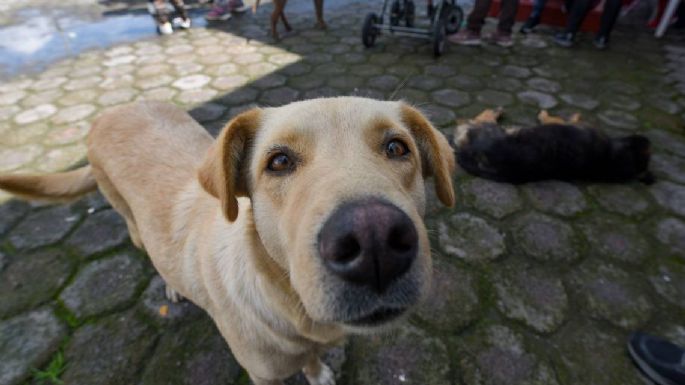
x=318 y=373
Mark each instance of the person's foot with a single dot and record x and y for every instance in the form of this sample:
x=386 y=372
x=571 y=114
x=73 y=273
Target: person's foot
x=218 y=12
x=529 y=25
x=466 y=37
x=165 y=29
x=502 y=39
x=182 y=23
x=601 y=42
x=662 y=361
x=564 y=39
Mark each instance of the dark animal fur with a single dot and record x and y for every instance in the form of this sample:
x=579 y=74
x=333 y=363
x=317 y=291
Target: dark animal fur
x=552 y=151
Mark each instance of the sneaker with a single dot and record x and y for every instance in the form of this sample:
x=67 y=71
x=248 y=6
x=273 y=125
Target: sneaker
x=236 y=6
x=181 y=23
x=466 y=37
x=502 y=39
x=165 y=29
x=601 y=42
x=218 y=12
x=662 y=361
x=564 y=39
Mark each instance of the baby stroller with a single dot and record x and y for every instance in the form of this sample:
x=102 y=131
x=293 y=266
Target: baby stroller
x=445 y=19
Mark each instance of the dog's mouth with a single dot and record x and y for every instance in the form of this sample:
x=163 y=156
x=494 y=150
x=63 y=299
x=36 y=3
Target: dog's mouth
x=378 y=317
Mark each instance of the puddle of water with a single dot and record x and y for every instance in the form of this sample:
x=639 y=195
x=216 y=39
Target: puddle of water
x=44 y=36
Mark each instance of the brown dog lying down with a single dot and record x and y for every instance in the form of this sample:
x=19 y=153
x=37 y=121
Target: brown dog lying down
x=279 y=13
x=555 y=149
x=299 y=224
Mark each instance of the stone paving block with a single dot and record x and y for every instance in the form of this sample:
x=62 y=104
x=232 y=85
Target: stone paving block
x=196 y=354
x=44 y=227
x=613 y=238
x=537 y=98
x=532 y=296
x=28 y=341
x=581 y=101
x=620 y=199
x=668 y=280
x=675 y=144
x=10 y=213
x=104 y=285
x=670 y=196
x=546 y=238
x=493 y=198
x=32 y=279
x=100 y=232
x=406 y=356
x=556 y=197
x=109 y=352
x=671 y=232
x=619 y=119
x=612 y=294
x=496 y=355
x=470 y=238
x=668 y=167
x=452 y=303
x=153 y=300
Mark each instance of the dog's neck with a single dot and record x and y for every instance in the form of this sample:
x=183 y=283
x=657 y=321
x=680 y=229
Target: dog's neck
x=284 y=297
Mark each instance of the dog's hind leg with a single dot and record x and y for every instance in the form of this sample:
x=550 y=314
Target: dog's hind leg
x=119 y=204
x=489 y=116
x=318 y=373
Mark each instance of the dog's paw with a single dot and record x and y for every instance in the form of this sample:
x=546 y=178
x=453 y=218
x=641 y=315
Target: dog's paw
x=325 y=376
x=172 y=295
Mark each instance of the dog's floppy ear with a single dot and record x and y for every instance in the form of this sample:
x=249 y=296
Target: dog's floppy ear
x=222 y=173
x=437 y=157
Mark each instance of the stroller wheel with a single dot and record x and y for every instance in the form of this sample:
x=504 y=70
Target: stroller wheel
x=452 y=16
x=438 y=37
x=369 y=30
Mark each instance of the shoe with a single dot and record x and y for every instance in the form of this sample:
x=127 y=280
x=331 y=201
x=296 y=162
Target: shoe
x=236 y=6
x=165 y=29
x=502 y=39
x=564 y=39
x=466 y=37
x=218 y=12
x=601 y=42
x=662 y=361
x=529 y=25
x=181 y=23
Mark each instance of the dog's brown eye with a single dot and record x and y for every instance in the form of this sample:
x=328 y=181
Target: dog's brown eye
x=396 y=149
x=280 y=163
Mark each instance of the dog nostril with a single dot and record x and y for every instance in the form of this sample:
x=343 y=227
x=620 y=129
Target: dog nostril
x=401 y=240
x=347 y=248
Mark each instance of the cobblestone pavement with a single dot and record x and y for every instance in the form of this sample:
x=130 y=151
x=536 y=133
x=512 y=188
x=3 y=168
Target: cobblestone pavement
x=538 y=284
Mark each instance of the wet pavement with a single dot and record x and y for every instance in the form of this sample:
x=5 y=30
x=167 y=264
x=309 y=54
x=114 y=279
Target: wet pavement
x=534 y=284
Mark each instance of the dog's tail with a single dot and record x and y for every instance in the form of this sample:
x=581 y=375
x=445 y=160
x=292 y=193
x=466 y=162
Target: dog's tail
x=58 y=187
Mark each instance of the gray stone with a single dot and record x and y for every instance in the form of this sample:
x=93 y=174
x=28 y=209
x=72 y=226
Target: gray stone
x=619 y=119
x=384 y=82
x=495 y=98
x=675 y=144
x=506 y=84
x=470 y=238
x=279 y=96
x=425 y=82
x=671 y=232
x=544 y=85
x=157 y=307
x=493 y=198
x=73 y=113
x=581 y=101
x=670 y=196
x=408 y=356
x=515 y=71
x=32 y=279
x=532 y=296
x=191 y=82
x=452 y=303
x=545 y=238
x=196 y=354
x=615 y=239
x=668 y=166
x=109 y=352
x=498 y=356
x=104 y=285
x=451 y=98
x=620 y=199
x=669 y=281
x=591 y=356
x=100 y=232
x=44 y=227
x=440 y=116
x=537 y=98
x=623 y=102
x=465 y=82
x=556 y=197
x=207 y=112
x=35 y=114
x=611 y=294
x=26 y=342
x=10 y=213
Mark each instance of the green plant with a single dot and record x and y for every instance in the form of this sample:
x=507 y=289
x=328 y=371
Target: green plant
x=51 y=373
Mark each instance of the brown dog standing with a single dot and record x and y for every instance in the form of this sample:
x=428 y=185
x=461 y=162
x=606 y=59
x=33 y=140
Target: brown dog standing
x=299 y=224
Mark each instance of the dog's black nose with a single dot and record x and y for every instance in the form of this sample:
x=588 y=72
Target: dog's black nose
x=368 y=242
